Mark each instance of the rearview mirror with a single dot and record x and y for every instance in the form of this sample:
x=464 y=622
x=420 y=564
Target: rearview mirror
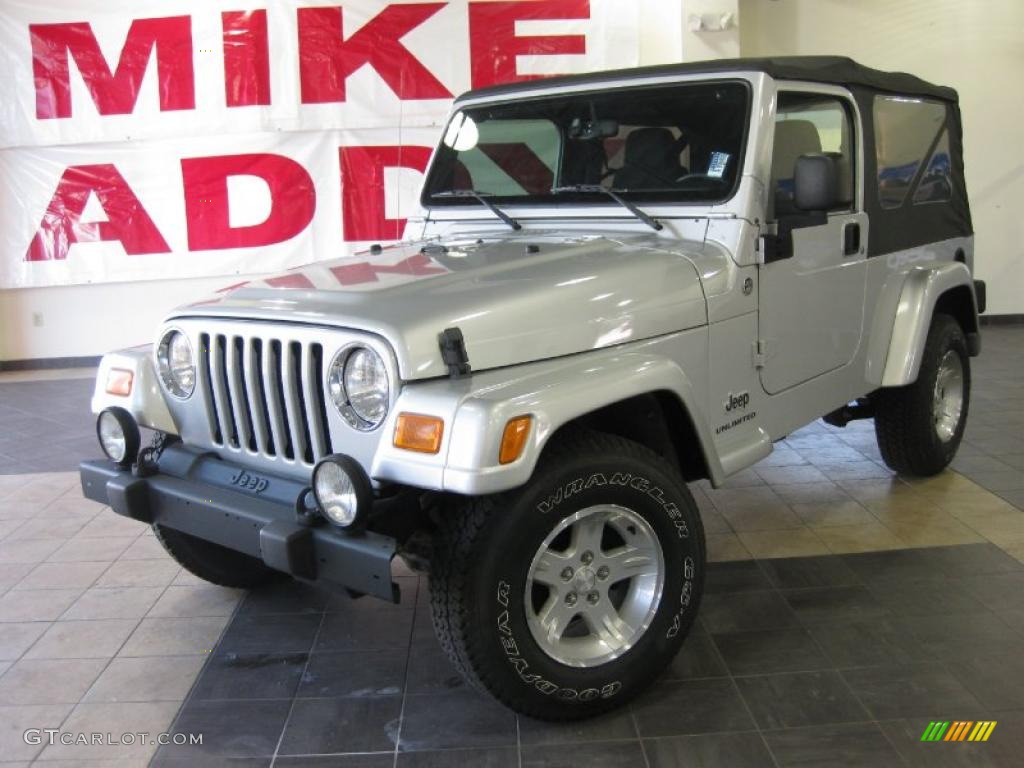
x=587 y=130
x=815 y=183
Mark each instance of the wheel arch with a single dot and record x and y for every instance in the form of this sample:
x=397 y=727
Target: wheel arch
x=658 y=420
x=947 y=289
x=609 y=393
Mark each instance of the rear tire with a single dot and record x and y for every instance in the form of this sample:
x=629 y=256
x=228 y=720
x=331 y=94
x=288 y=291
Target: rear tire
x=569 y=596
x=919 y=427
x=214 y=563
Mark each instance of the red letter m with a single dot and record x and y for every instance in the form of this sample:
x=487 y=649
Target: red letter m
x=114 y=94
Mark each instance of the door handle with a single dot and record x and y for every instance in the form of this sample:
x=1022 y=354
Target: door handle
x=851 y=238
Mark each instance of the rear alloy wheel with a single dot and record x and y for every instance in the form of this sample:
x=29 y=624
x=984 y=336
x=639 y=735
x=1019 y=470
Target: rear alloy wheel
x=567 y=597
x=919 y=427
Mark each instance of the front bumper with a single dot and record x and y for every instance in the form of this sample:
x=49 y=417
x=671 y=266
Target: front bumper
x=198 y=494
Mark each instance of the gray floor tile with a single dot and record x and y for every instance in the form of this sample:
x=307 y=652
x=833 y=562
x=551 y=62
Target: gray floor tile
x=614 y=726
x=49 y=681
x=911 y=690
x=807 y=572
x=831 y=605
x=770 y=650
x=174 y=637
x=36 y=604
x=868 y=643
x=459 y=719
x=15 y=720
x=828 y=745
x=797 y=699
x=356 y=673
x=100 y=639
x=229 y=675
x=101 y=717
x=150 y=678
x=746 y=611
x=668 y=709
x=16 y=638
x=731 y=750
x=615 y=754
x=240 y=729
x=114 y=603
x=502 y=757
x=699 y=657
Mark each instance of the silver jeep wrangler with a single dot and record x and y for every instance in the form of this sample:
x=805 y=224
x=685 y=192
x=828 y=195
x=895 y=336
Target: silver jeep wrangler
x=620 y=282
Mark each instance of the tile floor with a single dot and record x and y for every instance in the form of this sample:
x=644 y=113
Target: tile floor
x=845 y=609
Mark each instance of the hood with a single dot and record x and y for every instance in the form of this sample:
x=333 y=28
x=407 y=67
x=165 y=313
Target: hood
x=516 y=299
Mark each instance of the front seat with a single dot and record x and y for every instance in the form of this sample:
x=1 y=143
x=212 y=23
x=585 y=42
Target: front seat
x=792 y=139
x=651 y=160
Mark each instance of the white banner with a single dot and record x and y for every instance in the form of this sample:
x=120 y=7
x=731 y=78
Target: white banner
x=143 y=140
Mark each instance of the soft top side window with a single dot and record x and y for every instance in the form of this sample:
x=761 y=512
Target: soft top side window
x=809 y=123
x=912 y=150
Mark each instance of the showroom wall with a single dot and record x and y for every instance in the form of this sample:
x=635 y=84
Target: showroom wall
x=976 y=46
x=81 y=320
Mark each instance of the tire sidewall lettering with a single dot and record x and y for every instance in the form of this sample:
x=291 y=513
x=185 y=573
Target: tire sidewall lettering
x=650 y=499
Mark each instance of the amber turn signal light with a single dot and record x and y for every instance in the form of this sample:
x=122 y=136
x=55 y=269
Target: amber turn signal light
x=513 y=440
x=119 y=382
x=416 y=432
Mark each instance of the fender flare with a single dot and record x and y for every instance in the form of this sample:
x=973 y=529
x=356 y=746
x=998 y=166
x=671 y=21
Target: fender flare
x=146 y=402
x=555 y=396
x=919 y=295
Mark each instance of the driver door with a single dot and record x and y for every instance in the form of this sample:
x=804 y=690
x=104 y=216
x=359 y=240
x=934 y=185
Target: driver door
x=812 y=298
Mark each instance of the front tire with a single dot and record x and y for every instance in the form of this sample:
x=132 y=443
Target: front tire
x=569 y=596
x=214 y=563
x=919 y=427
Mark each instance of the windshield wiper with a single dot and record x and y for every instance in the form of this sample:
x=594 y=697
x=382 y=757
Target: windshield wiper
x=650 y=221
x=481 y=197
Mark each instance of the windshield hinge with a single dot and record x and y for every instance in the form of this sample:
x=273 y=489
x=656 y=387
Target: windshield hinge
x=760 y=353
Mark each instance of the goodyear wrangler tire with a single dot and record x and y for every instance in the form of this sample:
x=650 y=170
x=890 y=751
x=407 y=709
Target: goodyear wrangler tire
x=570 y=595
x=212 y=562
x=919 y=426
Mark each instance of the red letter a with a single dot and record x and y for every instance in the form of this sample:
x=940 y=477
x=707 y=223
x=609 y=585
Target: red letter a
x=127 y=221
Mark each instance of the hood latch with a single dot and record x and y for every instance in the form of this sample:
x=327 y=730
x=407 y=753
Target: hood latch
x=453 y=352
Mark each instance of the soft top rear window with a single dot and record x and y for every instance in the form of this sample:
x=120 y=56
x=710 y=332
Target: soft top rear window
x=674 y=143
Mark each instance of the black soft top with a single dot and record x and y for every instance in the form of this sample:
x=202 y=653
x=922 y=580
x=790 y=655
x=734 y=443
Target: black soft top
x=838 y=70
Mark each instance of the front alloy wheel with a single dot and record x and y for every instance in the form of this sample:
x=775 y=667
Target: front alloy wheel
x=587 y=604
x=567 y=597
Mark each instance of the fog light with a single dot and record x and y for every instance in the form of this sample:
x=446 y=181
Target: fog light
x=118 y=435
x=342 y=491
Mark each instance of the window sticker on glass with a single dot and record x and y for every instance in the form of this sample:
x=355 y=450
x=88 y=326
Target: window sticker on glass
x=717 y=164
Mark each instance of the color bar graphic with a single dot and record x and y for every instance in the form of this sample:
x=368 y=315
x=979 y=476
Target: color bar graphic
x=958 y=730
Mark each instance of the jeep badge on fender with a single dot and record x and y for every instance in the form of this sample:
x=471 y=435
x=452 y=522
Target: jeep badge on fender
x=737 y=402
x=514 y=398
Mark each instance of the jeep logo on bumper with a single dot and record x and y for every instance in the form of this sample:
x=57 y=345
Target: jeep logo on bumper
x=250 y=482
x=737 y=402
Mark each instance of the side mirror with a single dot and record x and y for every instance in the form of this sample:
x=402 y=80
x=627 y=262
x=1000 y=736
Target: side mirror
x=815 y=183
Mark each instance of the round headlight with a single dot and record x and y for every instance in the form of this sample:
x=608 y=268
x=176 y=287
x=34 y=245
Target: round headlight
x=176 y=364
x=118 y=435
x=342 y=491
x=358 y=385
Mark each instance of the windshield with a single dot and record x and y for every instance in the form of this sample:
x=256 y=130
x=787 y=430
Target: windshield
x=675 y=143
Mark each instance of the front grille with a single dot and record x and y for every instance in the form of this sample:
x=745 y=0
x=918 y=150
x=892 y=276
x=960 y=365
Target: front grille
x=264 y=395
